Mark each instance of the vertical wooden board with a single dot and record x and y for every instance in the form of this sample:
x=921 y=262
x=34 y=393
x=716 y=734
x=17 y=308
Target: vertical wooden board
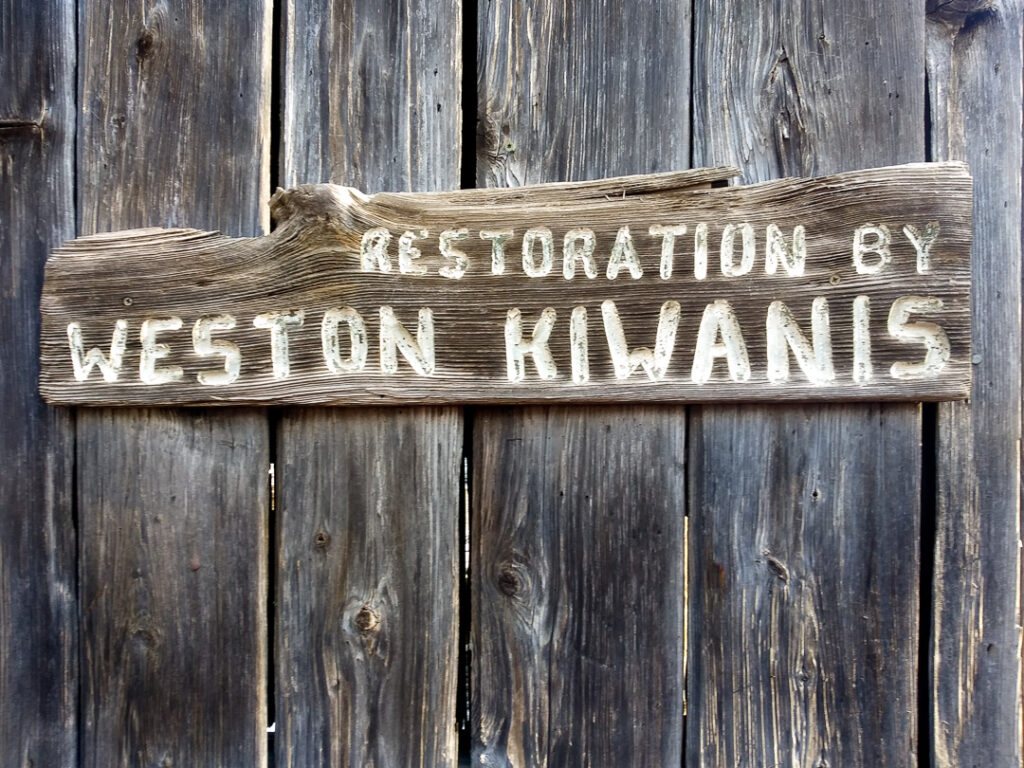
x=974 y=68
x=574 y=91
x=38 y=625
x=173 y=504
x=372 y=94
x=173 y=563
x=368 y=569
x=577 y=586
x=175 y=115
x=807 y=88
x=802 y=528
x=571 y=666
x=372 y=98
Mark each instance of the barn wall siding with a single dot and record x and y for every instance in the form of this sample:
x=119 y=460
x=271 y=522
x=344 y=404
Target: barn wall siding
x=649 y=585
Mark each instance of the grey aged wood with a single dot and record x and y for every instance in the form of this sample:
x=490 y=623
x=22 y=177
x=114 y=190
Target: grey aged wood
x=577 y=586
x=368 y=586
x=173 y=504
x=38 y=624
x=173 y=568
x=567 y=91
x=571 y=91
x=802 y=648
x=804 y=563
x=371 y=98
x=974 y=75
x=372 y=94
x=175 y=105
x=311 y=265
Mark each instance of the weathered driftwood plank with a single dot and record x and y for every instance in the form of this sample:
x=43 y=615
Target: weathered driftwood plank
x=578 y=586
x=805 y=522
x=372 y=97
x=368 y=597
x=38 y=624
x=578 y=514
x=852 y=286
x=173 y=505
x=974 y=68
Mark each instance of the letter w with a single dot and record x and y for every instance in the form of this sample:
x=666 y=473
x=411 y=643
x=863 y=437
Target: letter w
x=84 y=361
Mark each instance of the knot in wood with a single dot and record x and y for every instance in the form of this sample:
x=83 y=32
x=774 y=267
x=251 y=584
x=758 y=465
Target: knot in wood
x=961 y=14
x=367 y=620
x=145 y=44
x=321 y=539
x=508 y=580
x=777 y=567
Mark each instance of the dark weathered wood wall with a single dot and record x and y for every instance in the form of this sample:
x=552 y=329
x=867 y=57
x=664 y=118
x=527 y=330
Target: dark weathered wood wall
x=38 y=604
x=854 y=571
x=974 y=65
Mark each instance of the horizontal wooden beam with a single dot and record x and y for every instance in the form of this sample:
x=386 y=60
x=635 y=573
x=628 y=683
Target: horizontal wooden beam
x=652 y=288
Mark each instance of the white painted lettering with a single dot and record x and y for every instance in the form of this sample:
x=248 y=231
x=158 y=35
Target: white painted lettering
x=394 y=338
x=625 y=361
x=668 y=234
x=784 y=334
x=720 y=319
x=497 y=238
x=82 y=361
x=933 y=337
x=357 y=342
x=152 y=351
x=729 y=267
x=205 y=346
x=408 y=253
x=279 y=324
x=458 y=269
x=923 y=242
x=516 y=349
x=778 y=251
x=879 y=246
x=862 y=368
x=547 y=252
x=579 y=353
x=579 y=244
x=624 y=255
x=700 y=251
x=373 y=250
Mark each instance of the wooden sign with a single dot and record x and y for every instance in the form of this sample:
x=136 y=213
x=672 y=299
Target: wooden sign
x=644 y=288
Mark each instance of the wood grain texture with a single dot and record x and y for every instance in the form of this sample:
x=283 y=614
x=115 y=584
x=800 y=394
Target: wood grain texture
x=577 y=586
x=175 y=115
x=796 y=624
x=311 y=265
x=372 y=97
x=571 y=91
x=567 y=91
x=38 y=624
x=368 y=598
x=805 y=88
x=974 y=75
x=372 y=93
x=173 y=504
x=173 y=552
